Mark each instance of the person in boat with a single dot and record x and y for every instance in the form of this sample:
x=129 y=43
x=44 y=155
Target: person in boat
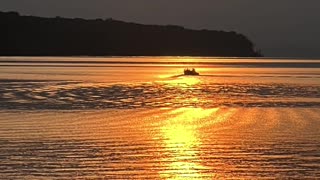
x=190 y=72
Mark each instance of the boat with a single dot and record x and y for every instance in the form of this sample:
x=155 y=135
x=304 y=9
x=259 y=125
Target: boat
x=191 y=72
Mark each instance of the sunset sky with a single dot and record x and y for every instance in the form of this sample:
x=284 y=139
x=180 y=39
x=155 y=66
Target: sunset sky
x=278 y=27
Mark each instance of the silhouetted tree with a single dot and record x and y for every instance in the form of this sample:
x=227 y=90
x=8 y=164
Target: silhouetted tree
x=28 y=35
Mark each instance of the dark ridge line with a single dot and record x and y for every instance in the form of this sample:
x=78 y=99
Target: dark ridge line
x=146 y=62
x=79 y=66
x=204 y=64
x=39 y=36
x=177 y=57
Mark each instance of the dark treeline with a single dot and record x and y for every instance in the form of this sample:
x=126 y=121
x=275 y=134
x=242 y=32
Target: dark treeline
x=36 y=36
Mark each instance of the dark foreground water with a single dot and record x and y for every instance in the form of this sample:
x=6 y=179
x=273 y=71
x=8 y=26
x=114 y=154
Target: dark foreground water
x=138 y=118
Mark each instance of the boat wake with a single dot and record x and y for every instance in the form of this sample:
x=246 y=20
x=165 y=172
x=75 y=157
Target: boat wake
x=177 y=92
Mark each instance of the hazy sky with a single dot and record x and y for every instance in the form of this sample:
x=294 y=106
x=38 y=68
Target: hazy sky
x=277 y=27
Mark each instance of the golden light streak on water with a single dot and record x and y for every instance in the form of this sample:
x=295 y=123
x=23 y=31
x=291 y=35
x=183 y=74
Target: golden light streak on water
x=182 y=81
x=125 y=121
x=182 y=139
x=183 y=143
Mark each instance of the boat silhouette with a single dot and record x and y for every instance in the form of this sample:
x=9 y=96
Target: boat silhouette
x=191 y=72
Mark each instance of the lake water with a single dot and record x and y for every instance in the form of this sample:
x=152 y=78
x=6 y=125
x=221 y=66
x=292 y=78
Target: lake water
x=140 y=118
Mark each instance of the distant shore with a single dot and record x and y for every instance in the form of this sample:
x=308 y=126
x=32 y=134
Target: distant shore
x=37 y=36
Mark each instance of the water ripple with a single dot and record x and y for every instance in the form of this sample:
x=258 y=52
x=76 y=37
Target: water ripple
x=177 y=93
x=196 y=143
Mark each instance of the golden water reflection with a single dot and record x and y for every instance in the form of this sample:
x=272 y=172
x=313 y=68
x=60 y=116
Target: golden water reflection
x=182 y=81
x=182 y=140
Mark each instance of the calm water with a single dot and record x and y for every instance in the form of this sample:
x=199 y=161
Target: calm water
x=139 y=118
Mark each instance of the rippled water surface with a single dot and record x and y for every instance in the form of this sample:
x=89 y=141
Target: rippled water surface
x=139 y=118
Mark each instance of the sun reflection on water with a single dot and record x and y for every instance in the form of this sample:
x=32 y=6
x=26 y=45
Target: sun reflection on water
x=181 y=81
x=182 y=139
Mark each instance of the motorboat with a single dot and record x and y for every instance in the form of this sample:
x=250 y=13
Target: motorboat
x=191 y=72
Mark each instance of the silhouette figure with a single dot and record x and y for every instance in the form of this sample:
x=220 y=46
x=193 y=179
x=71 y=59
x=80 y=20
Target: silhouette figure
x=190 y=72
